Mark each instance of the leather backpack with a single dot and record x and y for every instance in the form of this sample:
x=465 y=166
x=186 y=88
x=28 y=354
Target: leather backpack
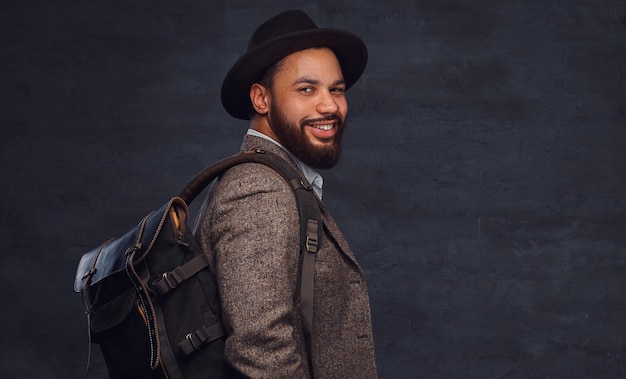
x=152 y=304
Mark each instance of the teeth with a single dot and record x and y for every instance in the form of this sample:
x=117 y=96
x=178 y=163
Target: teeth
x=324 y=127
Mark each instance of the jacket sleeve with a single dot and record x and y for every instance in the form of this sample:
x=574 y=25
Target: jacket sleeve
x=251 y=230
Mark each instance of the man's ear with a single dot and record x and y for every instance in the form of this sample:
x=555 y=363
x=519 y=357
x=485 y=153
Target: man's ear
x=259 y=96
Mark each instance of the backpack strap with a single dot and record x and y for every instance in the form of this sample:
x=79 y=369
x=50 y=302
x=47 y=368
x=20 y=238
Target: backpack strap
x=310 y=230
x=310 y=223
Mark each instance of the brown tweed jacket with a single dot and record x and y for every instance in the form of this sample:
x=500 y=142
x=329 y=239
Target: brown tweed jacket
x=249 y=228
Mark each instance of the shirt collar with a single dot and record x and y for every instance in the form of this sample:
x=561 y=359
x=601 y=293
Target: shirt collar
x=316 y=180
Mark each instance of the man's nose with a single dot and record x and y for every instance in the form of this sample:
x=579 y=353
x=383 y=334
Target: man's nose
x=327 y=103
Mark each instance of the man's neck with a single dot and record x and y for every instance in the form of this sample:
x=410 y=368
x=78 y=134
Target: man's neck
x=261 y=125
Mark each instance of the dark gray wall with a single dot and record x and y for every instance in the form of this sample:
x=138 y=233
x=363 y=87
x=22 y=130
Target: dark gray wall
x=482 y=187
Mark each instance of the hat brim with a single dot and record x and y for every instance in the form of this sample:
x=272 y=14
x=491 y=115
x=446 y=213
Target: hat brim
x=350 y=50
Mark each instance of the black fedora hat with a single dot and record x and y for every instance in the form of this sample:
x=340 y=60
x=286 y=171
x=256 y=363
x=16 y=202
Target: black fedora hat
x=278 y=37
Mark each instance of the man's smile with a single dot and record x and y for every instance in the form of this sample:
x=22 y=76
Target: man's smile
x=323 y=130
x=324 y=127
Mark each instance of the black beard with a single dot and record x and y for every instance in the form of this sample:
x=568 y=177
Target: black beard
x=294 y=139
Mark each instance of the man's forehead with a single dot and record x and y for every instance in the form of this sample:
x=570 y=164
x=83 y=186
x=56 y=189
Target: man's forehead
x=304 y=58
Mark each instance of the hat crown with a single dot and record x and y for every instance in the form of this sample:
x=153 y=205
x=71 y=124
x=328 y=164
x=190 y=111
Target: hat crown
x=284 y=23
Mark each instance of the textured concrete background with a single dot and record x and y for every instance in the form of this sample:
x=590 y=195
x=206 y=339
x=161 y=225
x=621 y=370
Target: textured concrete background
x=483 y=184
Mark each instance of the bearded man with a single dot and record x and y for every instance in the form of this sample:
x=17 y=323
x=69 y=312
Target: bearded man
x=291 y=84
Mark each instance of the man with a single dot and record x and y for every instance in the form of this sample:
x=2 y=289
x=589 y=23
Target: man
x=291 y=85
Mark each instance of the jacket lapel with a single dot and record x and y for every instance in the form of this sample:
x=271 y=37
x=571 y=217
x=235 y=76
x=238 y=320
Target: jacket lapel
x=334 y=233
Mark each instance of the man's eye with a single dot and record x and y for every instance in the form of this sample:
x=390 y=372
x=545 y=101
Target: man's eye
x=338 y=90
x=306 y=89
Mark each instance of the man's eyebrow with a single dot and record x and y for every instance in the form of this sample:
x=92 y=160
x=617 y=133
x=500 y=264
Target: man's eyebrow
x=307 y=80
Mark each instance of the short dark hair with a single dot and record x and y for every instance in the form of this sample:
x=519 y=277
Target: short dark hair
x=266 y=79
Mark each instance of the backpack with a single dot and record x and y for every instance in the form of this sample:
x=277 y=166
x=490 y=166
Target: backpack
x=152 y=304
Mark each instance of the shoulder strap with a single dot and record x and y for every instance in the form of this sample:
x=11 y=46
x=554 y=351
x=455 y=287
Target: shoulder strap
x=310 y=222
x=199 y=182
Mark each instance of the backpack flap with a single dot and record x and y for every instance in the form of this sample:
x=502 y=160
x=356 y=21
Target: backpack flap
x=101 y=274
x=110 y=257
x=106 y=260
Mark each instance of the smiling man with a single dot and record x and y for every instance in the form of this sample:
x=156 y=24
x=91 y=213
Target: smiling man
x=291 y=84
x=303 y=107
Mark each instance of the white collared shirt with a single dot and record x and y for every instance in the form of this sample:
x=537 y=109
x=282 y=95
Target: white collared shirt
x=310 y=174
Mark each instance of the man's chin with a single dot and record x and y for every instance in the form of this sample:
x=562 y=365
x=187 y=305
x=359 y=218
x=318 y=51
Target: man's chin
x=322 y=146
x=320 y=156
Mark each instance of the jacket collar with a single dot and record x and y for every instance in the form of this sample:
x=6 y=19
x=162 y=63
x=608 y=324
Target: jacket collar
x=254 y=142
x=312 y=176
